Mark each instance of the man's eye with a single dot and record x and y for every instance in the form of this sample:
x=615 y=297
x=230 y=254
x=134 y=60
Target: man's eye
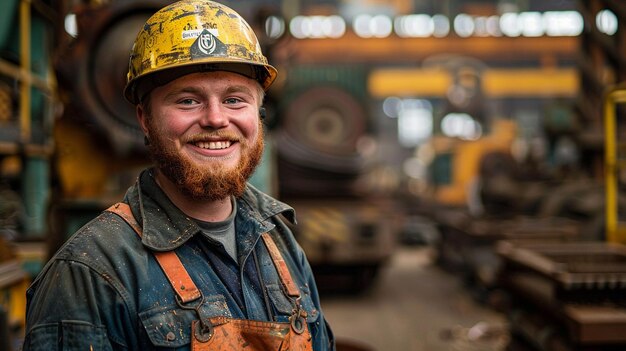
x=232 y=100
x=187 y=102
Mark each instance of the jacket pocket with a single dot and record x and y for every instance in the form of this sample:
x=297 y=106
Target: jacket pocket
x=284 y=304
x=170 y=326
x=67 y=335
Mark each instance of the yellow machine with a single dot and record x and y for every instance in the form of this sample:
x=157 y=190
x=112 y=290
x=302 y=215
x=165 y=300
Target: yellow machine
x=466 y=158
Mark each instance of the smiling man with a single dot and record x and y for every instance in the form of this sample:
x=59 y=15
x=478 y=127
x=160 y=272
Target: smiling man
x=193 y=257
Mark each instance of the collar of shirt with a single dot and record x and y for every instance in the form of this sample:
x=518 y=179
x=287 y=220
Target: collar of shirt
x=165 y=227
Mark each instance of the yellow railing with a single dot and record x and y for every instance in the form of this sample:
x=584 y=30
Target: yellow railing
x=615 y=233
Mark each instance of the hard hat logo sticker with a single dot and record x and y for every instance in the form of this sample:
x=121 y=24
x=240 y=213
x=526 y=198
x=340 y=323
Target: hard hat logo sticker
x=207 y=45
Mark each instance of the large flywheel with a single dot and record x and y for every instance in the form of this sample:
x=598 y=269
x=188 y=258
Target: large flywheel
x=93 y=70
x=318 y=141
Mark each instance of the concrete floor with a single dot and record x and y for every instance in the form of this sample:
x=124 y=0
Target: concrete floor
x=415 y=306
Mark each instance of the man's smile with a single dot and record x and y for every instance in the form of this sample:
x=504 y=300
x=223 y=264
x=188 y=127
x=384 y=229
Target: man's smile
x=213 y=145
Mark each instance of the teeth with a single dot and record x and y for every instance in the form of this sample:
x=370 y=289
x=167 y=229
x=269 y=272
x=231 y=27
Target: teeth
x=213 y=145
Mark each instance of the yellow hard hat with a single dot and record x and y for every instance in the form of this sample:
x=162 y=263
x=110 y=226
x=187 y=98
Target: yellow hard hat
x=193 y=36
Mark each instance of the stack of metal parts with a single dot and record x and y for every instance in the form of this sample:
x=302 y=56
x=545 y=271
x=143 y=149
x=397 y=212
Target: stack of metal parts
x=468 y=244
x=566 y=296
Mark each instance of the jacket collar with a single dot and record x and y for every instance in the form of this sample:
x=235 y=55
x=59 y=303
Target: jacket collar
x=165 y=227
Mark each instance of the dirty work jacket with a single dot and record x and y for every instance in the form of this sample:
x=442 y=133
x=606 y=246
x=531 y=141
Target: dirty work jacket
x=104 y=290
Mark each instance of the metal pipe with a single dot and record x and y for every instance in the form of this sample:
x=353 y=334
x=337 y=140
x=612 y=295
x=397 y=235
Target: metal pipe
x=25 y=84
x=612 y=98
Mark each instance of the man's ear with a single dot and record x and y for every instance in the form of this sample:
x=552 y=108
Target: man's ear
x=141 y=118
x=262 y=112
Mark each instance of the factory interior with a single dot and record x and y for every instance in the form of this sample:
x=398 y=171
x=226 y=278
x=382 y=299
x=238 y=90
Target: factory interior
x=455 y=165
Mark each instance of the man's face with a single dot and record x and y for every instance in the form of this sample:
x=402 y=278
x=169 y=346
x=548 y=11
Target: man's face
x=205 y=133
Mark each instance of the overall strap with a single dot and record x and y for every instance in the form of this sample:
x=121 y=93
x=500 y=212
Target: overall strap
x=169 y=261
x=281 y=266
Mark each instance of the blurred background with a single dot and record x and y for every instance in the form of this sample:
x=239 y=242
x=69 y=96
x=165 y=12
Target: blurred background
x=456 y=165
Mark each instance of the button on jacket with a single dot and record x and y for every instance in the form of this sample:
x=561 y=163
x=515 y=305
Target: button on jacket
x=104 y=290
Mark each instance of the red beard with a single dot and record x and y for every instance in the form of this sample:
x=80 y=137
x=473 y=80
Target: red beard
x=200 y=182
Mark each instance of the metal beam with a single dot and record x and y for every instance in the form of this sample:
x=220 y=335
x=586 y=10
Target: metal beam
x=496 y=83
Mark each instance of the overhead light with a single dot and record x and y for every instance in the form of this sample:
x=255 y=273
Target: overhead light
x=607 y=22
x=71 y=27
x=464 y=25
x=274 y=27
x=510 y=24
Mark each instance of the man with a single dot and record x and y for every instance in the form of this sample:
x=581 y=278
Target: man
x=193 y=258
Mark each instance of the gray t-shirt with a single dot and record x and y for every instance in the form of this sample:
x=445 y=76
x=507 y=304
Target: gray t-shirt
x=222 y=232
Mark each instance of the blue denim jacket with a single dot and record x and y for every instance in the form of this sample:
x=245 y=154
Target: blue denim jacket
x=104 y=290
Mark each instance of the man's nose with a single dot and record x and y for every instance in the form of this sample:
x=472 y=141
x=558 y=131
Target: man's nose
x=214 y=117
